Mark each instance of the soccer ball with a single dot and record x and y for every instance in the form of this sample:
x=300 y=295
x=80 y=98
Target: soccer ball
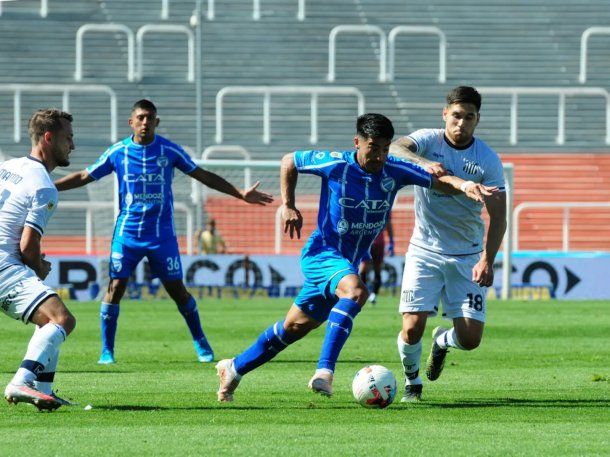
x=374 y=386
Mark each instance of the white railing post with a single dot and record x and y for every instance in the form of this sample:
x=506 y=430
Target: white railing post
x=266 y=91
x=44 y=8
x=332 y=38
x=507 y=260
x=164 y=9
x=256 y=10
x=566 y=229
x=165 y=28
x=584 y=39
x=231 y=149
x=404 y=29
x=562 y=92
x=65 y=89
x=78 y=74
x=301 y=12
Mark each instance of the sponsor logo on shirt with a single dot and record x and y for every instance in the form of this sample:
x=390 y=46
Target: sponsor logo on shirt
x=51 y=205
x=146 y=178
x=336 y=155
x=369 y=205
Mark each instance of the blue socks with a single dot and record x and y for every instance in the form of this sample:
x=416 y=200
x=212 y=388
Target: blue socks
x=270 y=343
x=109 y=315
x=191 y=316
x=340 y=322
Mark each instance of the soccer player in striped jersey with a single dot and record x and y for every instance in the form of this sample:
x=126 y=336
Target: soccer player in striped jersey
x=357 y=193
x=28 y=199
x=449 y=259
x=144 y=164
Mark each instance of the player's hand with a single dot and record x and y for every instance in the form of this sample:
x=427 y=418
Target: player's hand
x=483 y=273
x=437 y=169
x=293 y=221
x=45 y=267
x=390 y=249
x=254 y=196
x=478 y=192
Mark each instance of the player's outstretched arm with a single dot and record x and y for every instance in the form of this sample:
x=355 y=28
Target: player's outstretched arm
x=291 y=216
x=453 y=185
x=74 y=180
x=216 y=182
x=406 y=149
x=29 y=245
x=483 y=273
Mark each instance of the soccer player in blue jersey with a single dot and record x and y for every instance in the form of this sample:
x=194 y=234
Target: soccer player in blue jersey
x=358 y=190
x=144 y=164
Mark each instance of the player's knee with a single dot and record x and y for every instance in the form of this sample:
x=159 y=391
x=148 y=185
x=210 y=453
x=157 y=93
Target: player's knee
x=469 y=342
x=299 y=329
x=411 y=335
x=68 y=322
x=358 y=293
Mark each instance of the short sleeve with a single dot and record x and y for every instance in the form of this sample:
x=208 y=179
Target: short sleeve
x=317 y=162
x=423 y=138
x=182 y=161
x=43 y=206
x=104 y=165
x=493 y=172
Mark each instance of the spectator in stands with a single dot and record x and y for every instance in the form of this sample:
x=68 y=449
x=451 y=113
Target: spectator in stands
x=209 y=241
x=448 y=259
x=28 y=199
x=375 y=259
x=358 y=190
x=144 y=164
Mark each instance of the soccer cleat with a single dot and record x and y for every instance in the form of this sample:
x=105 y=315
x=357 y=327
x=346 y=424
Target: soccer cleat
x=412 y=393
x=436 y=359
x=373 y=298
x=27 y=393
x=322 y=383
x=229 y=380
x=63 y=401
x=106 y=357
x=204 y=350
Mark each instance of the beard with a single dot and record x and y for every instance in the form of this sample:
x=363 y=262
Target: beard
x=63 y=162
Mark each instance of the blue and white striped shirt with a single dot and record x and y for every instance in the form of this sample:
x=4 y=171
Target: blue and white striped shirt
x=144 y=174
x=354 y=205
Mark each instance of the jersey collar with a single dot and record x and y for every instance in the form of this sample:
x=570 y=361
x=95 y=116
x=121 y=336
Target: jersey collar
x=39 y=161
x=459 y=148
x=142 y=146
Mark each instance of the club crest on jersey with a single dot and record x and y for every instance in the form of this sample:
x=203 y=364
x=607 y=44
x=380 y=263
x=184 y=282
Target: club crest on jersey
x=162 y=161
x=342 y=226
x=472 y=168
x=128 y=198
x=320 y=155
x=388 y=184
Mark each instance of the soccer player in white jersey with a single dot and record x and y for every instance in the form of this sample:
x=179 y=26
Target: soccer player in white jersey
x=449 y=259
x=357 y=193
x=28 y=199
x=144 y=164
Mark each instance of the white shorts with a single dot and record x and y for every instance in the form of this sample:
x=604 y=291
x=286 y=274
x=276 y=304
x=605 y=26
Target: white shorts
x=430 y=278
x=21 y=292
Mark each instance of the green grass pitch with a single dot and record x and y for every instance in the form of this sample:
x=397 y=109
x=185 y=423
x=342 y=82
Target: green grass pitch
x=538 y=385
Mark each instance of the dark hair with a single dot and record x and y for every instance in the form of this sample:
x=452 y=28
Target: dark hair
x=464 y=94
x=46 y=120
x=144 y=104
x=373 y=125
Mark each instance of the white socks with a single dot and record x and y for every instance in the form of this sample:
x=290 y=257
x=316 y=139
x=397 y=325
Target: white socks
x=448 y=339
x=42 y=353
x=410 y=355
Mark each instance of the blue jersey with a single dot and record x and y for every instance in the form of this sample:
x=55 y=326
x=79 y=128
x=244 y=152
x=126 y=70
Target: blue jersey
x=144 y=174
x=354 y=205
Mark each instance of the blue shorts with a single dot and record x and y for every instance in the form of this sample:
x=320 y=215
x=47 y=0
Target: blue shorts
x=322 y=270
x=163 y=258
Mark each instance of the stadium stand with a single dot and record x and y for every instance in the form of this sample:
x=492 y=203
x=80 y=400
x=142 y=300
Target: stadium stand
x=516 y=43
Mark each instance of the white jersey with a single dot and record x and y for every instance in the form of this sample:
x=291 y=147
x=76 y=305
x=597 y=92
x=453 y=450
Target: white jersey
x=27 y=197
x=452 y=224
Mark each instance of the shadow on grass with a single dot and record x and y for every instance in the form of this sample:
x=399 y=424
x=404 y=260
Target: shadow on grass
x=218 y=407
x=515 y=403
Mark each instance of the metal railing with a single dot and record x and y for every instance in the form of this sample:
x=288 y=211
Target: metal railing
x=78 y=74
x=562 y=92
x=17 y=89
x=44 y=8
x=332 y=47
x=256 y=10
x=166 y=28
x=404 y=29
x=91 y=206
x=584 y=40
x=566 y=206
x=267 y=91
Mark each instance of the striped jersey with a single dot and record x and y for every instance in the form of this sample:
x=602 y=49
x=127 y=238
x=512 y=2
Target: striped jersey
x=144 y=174
x=354 y=205
x=27 y=197
x=452 y=224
